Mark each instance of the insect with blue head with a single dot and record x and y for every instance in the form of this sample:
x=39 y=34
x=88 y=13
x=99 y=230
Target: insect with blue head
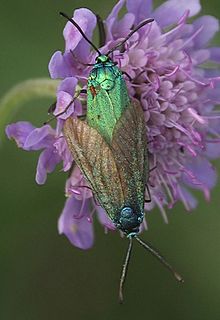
x=110 y=148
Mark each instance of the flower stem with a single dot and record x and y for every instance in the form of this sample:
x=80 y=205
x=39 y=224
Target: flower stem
x=23 y=92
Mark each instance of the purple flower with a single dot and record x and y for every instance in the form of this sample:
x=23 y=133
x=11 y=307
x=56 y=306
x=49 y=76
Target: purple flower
x=177 y=93
x=30 y=138
x=76 y=223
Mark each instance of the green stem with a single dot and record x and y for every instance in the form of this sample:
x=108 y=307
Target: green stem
x=23 y=92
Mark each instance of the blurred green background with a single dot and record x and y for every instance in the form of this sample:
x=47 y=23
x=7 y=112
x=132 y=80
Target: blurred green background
x=41 y=275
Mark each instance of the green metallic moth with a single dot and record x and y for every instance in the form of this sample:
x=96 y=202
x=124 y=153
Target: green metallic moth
x=110 y=148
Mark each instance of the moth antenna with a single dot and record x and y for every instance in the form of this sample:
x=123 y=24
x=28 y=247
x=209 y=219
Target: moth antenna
x=149 y=195
x=52 y=108
x=125 y=269
x=87 y=187
x=67 y=107
x=130 y=34
x=101 y=28
x=81 y=31
x=156 y=254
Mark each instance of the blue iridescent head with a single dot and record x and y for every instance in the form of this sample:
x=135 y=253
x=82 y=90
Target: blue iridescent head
x=129 y=221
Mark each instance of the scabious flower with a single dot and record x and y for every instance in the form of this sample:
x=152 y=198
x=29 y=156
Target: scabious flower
x=169 y=60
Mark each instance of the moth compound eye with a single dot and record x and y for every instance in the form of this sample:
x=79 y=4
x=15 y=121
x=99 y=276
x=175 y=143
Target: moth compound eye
x=126 y=212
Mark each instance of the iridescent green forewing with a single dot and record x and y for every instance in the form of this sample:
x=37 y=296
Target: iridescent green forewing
x=117 y=171
x=107 y=98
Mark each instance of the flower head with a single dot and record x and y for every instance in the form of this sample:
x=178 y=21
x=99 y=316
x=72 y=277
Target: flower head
x=177 y=92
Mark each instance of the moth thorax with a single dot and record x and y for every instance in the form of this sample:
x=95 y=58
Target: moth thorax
x=107 y=84
x=129 y=221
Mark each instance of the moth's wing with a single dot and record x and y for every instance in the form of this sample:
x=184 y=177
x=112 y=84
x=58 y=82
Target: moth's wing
x=129 y=146
x=95 y=159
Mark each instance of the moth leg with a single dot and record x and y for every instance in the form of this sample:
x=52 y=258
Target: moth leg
x=149 y=195
x=87 y=187
x=129 y=77
x=67 y=107
x=137 y=76
x=82 y=117
x=132 y=80
x=95 y=201
x=150 y=141
x=153 y=168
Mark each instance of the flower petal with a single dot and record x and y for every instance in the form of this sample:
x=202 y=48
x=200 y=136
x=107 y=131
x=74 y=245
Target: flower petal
x=213 y=150
x=210 y=27
x=104 y=219
x=122 y=28
x=115 y=11
x=79 y=230
x=68 y=85
x=172 y=10
x=19 y=132
x=74 y=40
x=77 y=185
x=63 y=100
x=47 y=162
x=140 y=8
x=200 y=56
x=189 y=201
x=40 y=138
x=215 y=54
x=203 y=172
x=112 y=18
x=64 y=153
x=58 y=66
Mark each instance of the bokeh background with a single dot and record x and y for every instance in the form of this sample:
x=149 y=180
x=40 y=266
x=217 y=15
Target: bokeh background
x=41 y=275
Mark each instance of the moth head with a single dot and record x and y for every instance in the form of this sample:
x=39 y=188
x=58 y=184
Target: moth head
x=128 y=220
x=102 y=59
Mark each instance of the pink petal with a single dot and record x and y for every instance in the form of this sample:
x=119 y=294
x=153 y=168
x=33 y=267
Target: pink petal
x=46 y=164
x=79 y=230
x=74 y=40
x=210 y=27
x=140 y=8
x=172 y=10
